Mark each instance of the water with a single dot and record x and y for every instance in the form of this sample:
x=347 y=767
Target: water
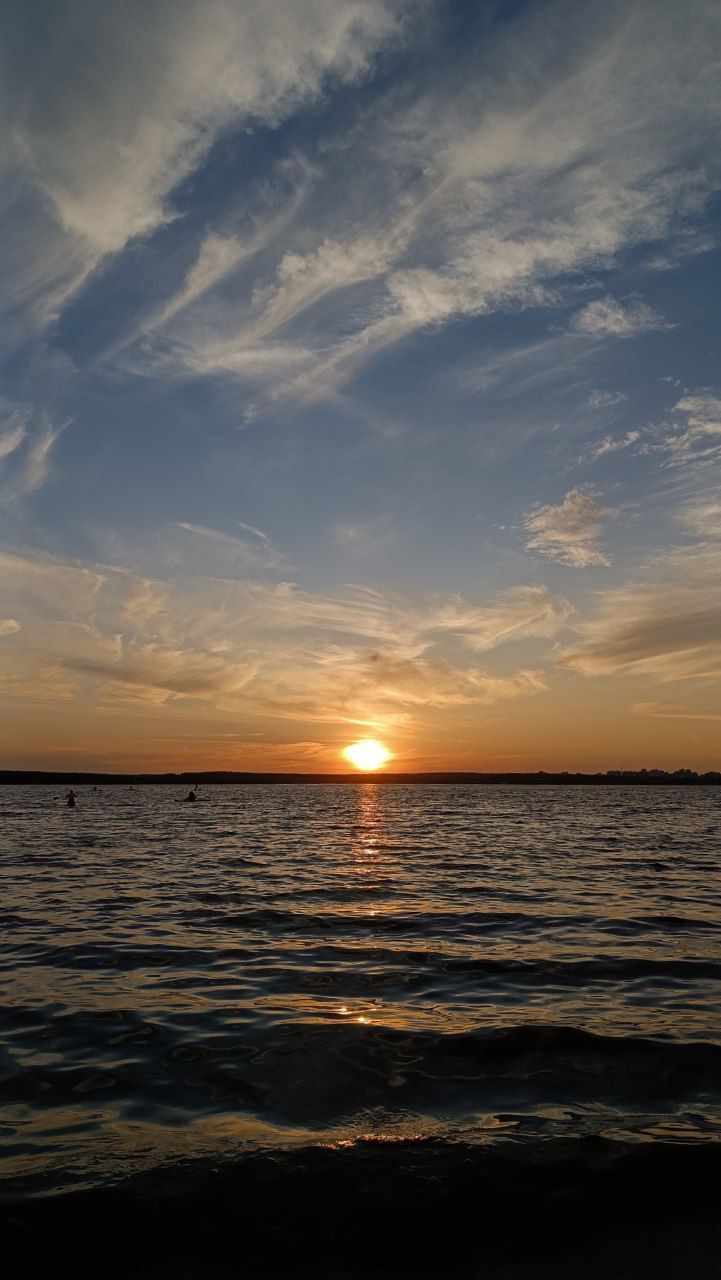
x=277 y=966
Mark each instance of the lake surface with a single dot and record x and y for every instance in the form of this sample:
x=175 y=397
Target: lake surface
x=283 y=965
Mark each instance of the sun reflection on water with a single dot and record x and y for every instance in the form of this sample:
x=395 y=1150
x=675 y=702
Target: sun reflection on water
x=368 y=828
x=302 y=961
x=367 y=859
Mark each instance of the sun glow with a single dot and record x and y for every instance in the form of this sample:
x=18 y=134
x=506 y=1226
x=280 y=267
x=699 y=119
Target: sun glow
x=367 y=755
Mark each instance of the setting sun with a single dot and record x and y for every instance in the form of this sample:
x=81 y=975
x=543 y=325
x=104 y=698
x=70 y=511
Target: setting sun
x=367 y=755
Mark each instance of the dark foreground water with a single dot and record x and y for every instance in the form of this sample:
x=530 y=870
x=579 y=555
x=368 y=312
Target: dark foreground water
x=382 y=983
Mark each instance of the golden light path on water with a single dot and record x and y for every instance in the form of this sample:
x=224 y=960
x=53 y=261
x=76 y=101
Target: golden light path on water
x=285 y=965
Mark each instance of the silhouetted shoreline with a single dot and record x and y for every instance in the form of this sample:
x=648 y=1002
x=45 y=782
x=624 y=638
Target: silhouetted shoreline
x=614 y=777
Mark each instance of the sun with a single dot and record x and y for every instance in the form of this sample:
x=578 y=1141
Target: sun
x=367 y=755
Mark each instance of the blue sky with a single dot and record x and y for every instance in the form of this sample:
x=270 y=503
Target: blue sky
x=360 y=378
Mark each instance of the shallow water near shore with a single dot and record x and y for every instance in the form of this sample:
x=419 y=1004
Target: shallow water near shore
x=275 y=967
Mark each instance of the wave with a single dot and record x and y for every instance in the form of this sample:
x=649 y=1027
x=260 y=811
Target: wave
x=376 y=1209
x=424 y=924
x=364 y=951
x=325 y=1072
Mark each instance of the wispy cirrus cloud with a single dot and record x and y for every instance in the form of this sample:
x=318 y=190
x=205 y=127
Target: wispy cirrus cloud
x=667 y=627
x=607 y=318
x=360 y=657
x=36 y=463
x=226 y=251
x=218 y=215
x=490 y=198
x=671 y=711
x=612 y=444
x=605 y=399
x=14 y=431
x=96 y=157
x=488 y=193
x=703 y=517
x=26 y=446
x=569 y=532
x=698 y=439
x=518 y=613
x=253 y=549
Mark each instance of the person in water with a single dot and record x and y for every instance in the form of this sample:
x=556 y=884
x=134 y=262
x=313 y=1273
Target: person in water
x=190 y=796
x=71 y=799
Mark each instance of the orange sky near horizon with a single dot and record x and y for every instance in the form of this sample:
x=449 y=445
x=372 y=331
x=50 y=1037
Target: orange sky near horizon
x=588 y=731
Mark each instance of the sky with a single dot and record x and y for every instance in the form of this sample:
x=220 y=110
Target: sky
x=360 y=379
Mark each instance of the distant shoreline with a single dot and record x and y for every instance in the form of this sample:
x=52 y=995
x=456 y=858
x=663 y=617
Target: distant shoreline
x=653 y=778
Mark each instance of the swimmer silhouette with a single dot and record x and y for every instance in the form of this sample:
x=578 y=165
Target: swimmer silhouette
x=71 y=799
x=190 y=795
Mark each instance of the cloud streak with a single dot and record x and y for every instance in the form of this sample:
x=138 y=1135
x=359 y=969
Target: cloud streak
x=607 y=318
x=257 y=551
x=668 y=627
x=698 y=441
x=612 y=444
x=569 y=531
x=373 y=280
x=13 y=434
x=105 y=149
x=485 y=208
x=358 y=658
x=25 y=452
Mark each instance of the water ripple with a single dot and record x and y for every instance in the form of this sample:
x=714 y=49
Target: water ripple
x=285 y=963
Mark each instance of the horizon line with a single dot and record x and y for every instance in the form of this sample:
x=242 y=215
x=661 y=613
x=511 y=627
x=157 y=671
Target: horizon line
x=229 y=776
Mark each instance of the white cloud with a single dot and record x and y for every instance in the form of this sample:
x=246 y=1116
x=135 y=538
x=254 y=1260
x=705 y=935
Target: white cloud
x=482 y=194
x=302 y=279
x=704 y=411
x=218 y=255
x=223 y=253
x=702 y=518
x=607 y=318
x=605 y=399
x=670 y=711
x=174 y=84
x=569 y=531
x=126 y=103
x=698 y=440
x=520 y=370
x=479 y=191
x=687 y=243
x=361 y=657
x=611 y=444
x=259 y=551
x=25 y=451
x=667 y=627
x=351 y=533
x=8 y=626
x=518 y=613
x=13 y=433
x=37 y=461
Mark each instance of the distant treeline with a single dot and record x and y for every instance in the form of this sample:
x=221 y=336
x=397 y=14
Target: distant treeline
x=613 y=777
